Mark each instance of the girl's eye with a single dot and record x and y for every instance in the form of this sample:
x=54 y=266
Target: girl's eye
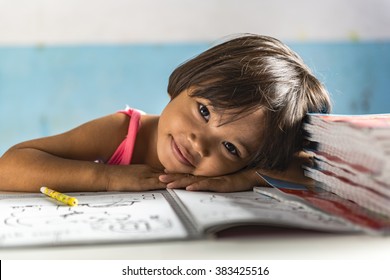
x=231 y=148
x=204 y=112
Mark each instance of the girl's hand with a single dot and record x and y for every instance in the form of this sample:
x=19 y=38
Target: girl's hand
x=240 y=181
x=133 y=177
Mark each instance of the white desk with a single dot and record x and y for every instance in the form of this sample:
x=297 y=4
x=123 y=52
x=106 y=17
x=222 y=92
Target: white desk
x=303 y=245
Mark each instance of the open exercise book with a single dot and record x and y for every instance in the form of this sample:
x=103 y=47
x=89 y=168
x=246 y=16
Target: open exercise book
x=35 y=220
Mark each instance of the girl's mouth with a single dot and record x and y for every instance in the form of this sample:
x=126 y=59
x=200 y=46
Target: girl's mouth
x=182 y=158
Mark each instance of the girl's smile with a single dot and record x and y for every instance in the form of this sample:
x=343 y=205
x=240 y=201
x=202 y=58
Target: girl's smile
x=182 y=154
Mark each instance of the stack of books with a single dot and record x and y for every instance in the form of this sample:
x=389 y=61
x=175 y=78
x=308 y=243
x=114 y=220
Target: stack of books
x=351 y=158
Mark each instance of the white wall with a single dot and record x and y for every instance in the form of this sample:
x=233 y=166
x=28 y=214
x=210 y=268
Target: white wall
x=128 y=21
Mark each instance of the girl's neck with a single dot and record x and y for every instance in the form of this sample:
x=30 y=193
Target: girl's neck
x=145 y=149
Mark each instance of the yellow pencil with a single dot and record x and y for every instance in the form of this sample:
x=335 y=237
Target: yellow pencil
x=71 y=201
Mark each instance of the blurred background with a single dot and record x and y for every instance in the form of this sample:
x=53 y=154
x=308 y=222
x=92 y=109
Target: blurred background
x=64 y=62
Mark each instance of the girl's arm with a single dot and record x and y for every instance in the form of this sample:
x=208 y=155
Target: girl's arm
x=65 y=162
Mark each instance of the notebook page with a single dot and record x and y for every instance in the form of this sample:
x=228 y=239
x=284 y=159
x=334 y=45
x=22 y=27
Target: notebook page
x=219 y=210
x=35 y=219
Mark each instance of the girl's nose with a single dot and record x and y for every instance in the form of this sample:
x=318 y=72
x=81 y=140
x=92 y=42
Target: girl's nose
x=199 y=144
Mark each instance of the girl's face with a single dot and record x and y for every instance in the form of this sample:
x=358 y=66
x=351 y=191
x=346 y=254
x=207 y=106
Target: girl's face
x=194 y=138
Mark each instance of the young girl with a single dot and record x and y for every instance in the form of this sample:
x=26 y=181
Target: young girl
x=236 y=110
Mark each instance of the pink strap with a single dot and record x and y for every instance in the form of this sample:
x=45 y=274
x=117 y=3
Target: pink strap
x=124 y=152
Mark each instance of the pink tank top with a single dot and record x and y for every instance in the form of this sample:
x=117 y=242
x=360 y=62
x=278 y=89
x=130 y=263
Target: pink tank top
x=124 y=152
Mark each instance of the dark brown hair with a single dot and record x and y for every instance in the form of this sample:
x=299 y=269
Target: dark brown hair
x=254 y=72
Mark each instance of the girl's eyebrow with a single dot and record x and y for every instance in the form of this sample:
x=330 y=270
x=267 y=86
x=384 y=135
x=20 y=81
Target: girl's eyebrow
x=245 y=147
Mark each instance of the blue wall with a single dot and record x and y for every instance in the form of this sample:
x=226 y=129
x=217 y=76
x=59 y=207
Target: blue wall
x=47 y=90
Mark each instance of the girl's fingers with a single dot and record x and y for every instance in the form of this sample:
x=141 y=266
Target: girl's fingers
x=213 y=185
x=167 y=178
x=230 y=183
x=178 y=180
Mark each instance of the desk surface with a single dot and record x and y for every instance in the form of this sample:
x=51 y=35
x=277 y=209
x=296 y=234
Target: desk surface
x=306 y=245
